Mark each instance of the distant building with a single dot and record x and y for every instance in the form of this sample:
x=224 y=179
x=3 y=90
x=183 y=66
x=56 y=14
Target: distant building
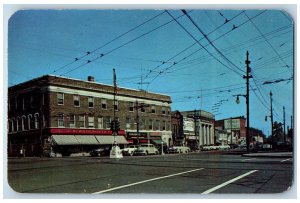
x=199 y=128
x=235 y=128
x=66 y=115
x=177 y=128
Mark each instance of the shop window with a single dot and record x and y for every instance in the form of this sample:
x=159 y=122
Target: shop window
x=82 y=121
x=100 y=122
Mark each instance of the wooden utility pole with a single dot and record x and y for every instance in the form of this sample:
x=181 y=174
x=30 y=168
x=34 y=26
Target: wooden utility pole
x=272 y=129
x=248 y=70
x=284 y=137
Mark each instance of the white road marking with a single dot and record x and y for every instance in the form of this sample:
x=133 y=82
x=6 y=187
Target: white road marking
x=145 y=181
x=285 y=160
x=228 y=182
x=248 y=159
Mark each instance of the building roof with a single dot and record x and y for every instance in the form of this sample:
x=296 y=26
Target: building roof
x=54 y=80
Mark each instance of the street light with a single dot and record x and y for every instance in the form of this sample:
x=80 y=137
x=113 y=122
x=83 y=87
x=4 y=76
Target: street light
x=247 y=104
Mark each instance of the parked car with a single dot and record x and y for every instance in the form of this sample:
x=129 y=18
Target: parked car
x=100 y=151
x=129 y=150
x=224 y=147
x=179 y=149
x=145 y=149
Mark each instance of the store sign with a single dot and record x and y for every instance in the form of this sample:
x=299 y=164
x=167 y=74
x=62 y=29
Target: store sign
x=188 y=124
x=70 y=131
x=134 y=135
x=155 y=134
x=232 y=124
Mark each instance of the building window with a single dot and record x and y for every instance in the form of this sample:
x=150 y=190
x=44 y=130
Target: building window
x=82 y=121
x=18 y=124
x=91 y=121
x=91 y=102
x=61 y=120
x=168 y=126
x=60 y=98
x=116 y=104
x=100 y=122
x=107 y=122
x=142 y=124
x=44 y=121
x=36 y=121
x=128 y=124
x=16 y=102
x=43 y=98
x=23 y=103
x=103 y=104
x=163 y=110
x=150 y=124
x=23 y=123
x=29 y=121
x=10 y=125
x=157 y=125
x=153 y=110
x=164 y=125
x=72 y=121
x=76 y=100
x=131 y=106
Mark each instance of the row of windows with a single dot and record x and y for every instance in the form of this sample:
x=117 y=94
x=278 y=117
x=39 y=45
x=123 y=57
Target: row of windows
x=103 y=105
x=85 y=121
x=25 y=102
x=25 y=123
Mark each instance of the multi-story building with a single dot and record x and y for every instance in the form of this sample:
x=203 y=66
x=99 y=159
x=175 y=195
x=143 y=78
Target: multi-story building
x=177 y=128
x=235 y=128
x=58 y=113
x=199 y=128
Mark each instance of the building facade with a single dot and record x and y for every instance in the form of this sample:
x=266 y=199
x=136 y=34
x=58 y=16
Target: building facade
x=235 y=128
x=177 y=128
x=199 y=128
x=57 y=113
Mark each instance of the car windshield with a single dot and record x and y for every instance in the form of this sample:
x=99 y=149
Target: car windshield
x=131 y=146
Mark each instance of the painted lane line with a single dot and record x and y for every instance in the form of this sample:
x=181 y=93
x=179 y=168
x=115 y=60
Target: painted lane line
x=228 y=182
x=248 y=159
x=145 y=181
x=285 y=160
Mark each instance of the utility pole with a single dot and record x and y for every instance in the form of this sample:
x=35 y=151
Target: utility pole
x=247 y=62
x=272 y=130
x=137 y=121
x=284 y=137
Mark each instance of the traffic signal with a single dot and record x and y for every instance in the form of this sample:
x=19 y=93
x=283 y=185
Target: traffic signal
x=115 y=126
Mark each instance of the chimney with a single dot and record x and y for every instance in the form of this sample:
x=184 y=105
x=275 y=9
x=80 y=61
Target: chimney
x=91 y=79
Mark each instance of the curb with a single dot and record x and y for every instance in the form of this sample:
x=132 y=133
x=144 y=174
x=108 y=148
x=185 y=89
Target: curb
x=270 y=155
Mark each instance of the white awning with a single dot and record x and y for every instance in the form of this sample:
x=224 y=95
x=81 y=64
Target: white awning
x=109 y=139
x=65 y=139
x=87 y=139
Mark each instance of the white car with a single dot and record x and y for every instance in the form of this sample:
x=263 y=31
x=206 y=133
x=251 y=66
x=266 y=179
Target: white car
x=129 y=150
x=145 y=149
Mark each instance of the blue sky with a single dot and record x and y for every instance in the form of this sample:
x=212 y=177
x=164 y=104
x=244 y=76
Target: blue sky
x=141 y=48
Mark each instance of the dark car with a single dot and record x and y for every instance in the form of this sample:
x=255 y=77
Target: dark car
x=100 y=152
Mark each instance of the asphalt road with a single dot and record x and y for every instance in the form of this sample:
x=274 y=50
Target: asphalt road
x=194 y=173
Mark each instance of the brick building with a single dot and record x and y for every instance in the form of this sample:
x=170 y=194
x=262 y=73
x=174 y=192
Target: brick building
x=66 y=115
x=235 y=128
x=177 y=128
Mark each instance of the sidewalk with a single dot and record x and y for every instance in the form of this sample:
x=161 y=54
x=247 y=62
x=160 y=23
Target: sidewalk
x=271 y=154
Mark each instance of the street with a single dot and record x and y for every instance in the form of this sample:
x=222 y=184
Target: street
x=194 y=173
